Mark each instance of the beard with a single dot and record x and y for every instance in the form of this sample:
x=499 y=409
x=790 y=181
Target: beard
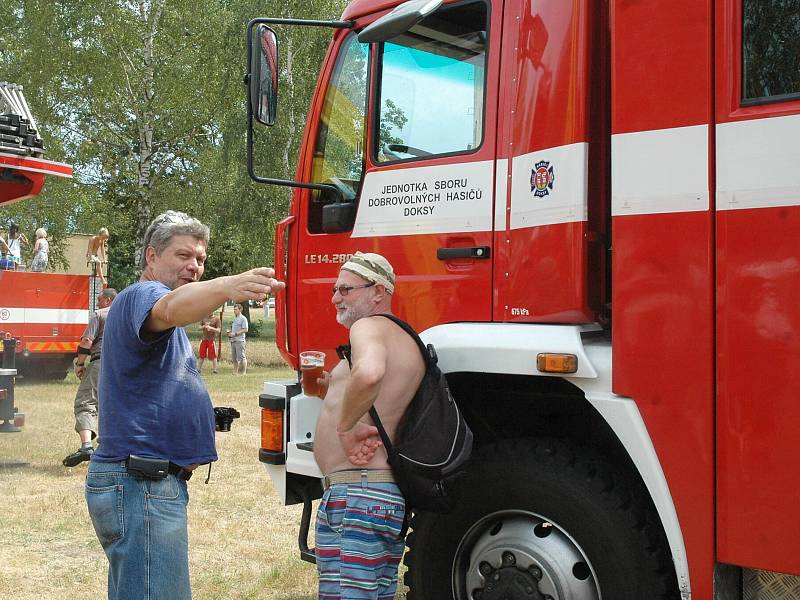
x=353 y=313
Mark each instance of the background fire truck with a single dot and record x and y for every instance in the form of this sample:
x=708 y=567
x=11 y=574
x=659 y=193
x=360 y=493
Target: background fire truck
x=593 y=209
x=46 y=313
x=41 y=315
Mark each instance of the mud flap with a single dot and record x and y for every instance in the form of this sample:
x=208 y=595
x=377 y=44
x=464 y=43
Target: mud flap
x=308 y=493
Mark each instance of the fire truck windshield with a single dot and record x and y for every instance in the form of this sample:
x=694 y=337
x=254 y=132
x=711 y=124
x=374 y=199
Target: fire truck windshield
x=432 y=86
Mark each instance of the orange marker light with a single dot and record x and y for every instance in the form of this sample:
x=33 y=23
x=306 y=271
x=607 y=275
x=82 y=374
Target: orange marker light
x=548 y=362
x=272 y=429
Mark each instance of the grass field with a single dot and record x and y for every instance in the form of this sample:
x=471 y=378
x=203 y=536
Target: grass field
x=243 y=542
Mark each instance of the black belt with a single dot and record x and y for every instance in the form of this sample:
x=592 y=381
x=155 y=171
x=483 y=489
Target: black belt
x=179 y=472
x=154 y=468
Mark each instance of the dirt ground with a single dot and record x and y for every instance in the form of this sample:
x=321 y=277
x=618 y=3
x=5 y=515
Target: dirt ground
x=243 y=542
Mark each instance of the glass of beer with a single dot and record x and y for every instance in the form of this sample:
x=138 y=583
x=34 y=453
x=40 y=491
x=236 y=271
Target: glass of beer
x=311 y=365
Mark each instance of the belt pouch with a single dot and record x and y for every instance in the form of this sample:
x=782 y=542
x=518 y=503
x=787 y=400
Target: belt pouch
x=151 y=468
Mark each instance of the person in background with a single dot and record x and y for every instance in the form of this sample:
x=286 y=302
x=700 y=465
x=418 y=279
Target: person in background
x=210 y=326
x=237 y=334
x=97 y=254
x=156 y=418
x=87 y=369
x=14 y=243
x=6 y=263
x=41 y=250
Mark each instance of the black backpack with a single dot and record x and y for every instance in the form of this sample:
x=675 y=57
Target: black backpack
x=433 y=441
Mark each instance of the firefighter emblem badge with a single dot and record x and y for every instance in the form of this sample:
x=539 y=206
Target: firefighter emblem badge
x=542 y=179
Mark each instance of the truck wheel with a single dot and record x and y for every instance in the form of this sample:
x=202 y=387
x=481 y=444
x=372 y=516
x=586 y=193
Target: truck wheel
x=55 y=375
x=541 y=520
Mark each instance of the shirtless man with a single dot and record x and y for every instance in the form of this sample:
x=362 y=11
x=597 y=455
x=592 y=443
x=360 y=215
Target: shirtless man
x=96 y=253
x=386 y=371
x=210 y=327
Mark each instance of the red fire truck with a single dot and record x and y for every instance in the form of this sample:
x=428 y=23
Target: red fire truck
x=593 y=208
x=45 y=313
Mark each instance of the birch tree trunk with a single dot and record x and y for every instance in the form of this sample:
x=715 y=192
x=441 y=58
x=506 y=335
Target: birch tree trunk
x=150 y=12
x=291 y=126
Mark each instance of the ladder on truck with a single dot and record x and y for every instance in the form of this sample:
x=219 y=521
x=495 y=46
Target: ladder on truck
x=95 y=287
x=18 y=132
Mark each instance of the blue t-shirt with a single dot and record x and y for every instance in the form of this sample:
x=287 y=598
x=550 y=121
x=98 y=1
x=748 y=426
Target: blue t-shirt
x=153 y=401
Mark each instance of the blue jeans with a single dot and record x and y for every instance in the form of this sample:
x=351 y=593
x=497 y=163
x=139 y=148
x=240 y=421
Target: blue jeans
x=141 y=524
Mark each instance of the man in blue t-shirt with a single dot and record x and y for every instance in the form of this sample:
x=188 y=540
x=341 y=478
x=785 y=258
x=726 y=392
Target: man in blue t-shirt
x=157 y=419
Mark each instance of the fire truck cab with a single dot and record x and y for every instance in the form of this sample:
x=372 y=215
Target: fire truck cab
x=611 y=180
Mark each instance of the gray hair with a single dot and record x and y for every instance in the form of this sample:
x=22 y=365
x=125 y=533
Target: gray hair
x=166 y=226
x=109 y=293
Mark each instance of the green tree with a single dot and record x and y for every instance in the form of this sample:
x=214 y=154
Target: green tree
x=145 y=99
x=770 y=47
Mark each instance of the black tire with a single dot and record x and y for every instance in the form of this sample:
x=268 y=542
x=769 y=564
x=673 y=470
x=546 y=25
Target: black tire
x=544 y=519
x=54 y=368
x=49 y=374
x=55 y=375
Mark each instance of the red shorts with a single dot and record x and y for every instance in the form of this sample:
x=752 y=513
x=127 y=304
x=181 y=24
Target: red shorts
x=208 y=349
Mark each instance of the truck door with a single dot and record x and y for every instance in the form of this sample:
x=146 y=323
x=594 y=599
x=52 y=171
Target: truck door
x=758 y=283
x=552 y=145
x=406 y=129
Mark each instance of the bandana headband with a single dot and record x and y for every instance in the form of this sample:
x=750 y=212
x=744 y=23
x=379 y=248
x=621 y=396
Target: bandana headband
x=372 y=267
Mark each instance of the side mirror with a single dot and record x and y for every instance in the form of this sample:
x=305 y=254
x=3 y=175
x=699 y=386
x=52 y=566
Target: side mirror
x=398 y=21
x=338 y=217
x=263 y=74
x=338 y=213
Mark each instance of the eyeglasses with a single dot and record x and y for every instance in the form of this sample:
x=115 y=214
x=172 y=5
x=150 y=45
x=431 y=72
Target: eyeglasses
x=345 y=289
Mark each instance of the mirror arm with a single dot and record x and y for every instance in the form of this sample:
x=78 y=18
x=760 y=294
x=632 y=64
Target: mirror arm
x=284 y=182
x=250 y=141
x=306 y=22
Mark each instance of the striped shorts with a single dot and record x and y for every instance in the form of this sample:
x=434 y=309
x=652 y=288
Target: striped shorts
x=359 y=542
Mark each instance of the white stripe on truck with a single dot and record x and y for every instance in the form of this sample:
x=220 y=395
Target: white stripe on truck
x=62 y=316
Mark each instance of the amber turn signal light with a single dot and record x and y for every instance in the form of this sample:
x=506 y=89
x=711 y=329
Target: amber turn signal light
x=548 y=362
x=272 y=429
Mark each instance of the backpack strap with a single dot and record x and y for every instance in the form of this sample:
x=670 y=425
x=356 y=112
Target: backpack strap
x=427 y=357
x=384 y=436
x=343 y=351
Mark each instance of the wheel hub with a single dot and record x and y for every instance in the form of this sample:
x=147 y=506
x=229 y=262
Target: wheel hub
x=510 y=582
x=517 y=555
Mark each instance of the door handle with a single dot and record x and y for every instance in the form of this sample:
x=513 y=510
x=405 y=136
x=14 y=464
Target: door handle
x=479 y=252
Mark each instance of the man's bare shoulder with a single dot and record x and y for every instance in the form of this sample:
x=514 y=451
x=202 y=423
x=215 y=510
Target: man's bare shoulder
x=377 y=330
x=373 y=330
x=372 y=323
